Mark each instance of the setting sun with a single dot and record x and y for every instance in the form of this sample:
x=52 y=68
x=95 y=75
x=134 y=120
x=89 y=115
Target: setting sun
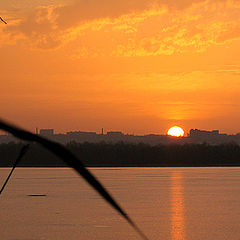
x=175 y=131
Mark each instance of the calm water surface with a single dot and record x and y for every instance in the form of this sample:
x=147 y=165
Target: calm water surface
x=167 y=203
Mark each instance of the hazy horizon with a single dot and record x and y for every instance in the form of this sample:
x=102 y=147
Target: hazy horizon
x=99 y=131
x=138 y=67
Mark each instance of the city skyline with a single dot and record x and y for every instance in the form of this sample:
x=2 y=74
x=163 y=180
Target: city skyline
x=103 y=131
x=107 y=131
x=194 y=136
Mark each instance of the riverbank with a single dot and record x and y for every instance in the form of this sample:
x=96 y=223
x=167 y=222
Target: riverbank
x=128 y=155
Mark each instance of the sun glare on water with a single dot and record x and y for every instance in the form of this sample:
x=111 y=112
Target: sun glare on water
x=175 y=131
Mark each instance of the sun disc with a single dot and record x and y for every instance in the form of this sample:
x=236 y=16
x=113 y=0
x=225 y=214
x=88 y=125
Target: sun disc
x=175 y=131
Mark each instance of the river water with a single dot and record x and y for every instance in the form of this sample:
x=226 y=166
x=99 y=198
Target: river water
x=166 y=203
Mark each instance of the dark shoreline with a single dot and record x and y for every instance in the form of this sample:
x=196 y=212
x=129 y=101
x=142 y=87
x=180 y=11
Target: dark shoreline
x=100 y=167
x=122 y=154
x=125 y=166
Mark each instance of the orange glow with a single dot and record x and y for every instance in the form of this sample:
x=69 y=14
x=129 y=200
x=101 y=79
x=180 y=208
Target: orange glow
x=177 y=207
x=136 y=66
x=175 y=131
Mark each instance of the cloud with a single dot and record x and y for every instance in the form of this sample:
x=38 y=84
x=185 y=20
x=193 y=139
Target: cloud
x=82 y=11
x=133 y=28
x=161 y=31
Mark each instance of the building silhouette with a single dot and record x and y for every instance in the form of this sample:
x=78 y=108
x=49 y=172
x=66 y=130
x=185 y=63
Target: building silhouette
x=46 y=132
x=203 y=133
x=195 y=136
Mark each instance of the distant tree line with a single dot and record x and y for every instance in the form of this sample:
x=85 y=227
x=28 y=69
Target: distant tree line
x=127 y=154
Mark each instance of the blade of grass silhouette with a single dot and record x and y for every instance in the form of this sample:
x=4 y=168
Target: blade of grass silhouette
x=21 y=154
x=72 y=161
x=3 y=20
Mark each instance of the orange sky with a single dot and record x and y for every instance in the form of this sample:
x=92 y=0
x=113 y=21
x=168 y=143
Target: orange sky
x=135 y=66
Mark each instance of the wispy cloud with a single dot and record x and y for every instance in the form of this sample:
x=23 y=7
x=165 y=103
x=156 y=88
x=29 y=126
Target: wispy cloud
x=141 y=29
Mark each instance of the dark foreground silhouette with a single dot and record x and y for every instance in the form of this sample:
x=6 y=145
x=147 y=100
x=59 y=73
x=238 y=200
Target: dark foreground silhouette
x=19 y=158
x=3 y=20
x=125 y=154
x=72 y=161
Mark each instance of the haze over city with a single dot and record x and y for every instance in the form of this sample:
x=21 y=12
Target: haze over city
x=139 y=67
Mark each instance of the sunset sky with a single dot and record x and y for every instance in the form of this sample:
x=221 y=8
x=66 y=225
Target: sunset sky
x=135 y=66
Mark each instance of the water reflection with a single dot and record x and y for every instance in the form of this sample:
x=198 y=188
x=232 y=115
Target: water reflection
x=177 y=207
